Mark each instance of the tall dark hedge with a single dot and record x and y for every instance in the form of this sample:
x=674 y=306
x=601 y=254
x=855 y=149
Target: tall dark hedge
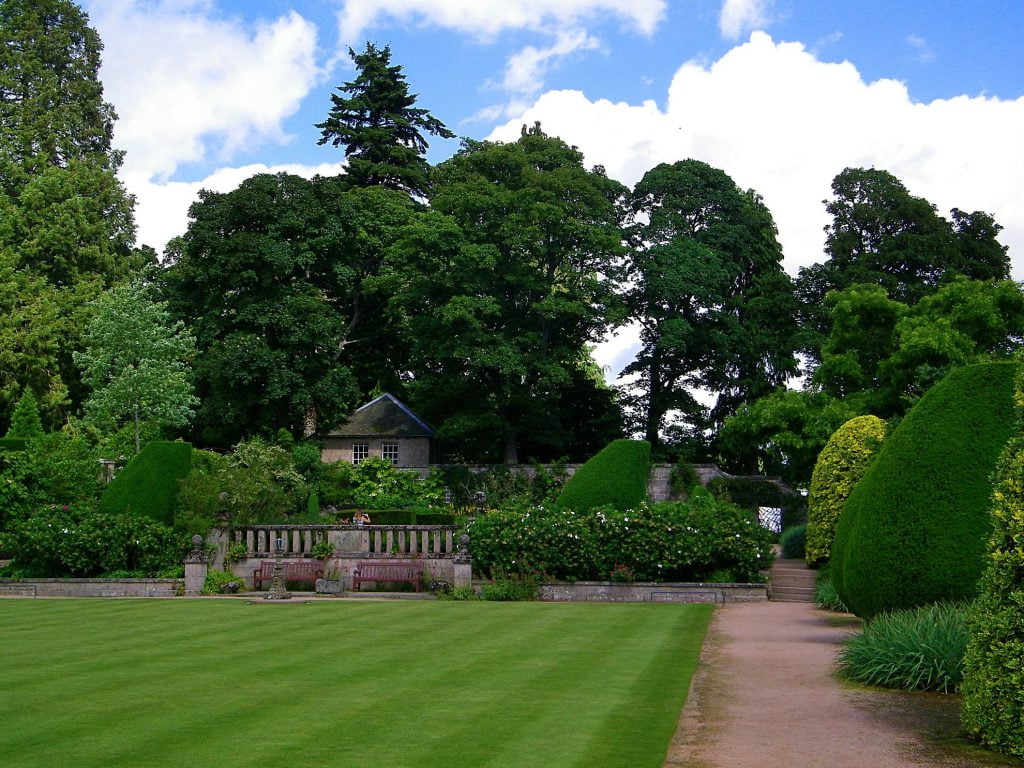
x=913 y=531
x=149 y=483
x=616 y=476
x=993 y=688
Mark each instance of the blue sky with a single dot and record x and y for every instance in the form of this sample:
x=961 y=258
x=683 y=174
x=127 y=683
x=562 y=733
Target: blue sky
x=781 y=94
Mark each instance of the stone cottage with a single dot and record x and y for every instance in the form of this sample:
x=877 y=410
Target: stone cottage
x=384 y=428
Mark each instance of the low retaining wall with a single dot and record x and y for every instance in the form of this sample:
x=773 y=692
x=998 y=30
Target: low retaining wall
x=647 y=592
x=90 y=587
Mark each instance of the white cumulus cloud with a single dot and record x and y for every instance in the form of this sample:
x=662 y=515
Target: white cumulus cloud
x=738 y=17
x=190 y=86
x=487 y=18
x=784 y=123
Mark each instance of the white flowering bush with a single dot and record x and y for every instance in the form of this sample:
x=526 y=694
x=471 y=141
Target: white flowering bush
x=669 y=541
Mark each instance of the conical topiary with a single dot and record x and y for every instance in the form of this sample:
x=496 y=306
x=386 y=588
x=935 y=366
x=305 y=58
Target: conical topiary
x=615 y=476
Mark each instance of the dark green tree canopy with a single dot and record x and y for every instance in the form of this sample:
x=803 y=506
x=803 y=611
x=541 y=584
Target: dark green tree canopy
x=505 y=290
x=882 y=234
x=51 y=100
x=277 y=281
x=705 y=283
x=380 y=129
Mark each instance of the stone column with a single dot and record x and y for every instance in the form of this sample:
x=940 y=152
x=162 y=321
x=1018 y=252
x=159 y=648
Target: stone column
x=462 y=564
x=195 y=568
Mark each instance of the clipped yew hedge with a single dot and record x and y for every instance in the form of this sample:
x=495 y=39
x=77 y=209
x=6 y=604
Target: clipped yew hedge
x=148 y=485
x=913 y=531
x=993 y=687
x=616 y=476
x=841 y=464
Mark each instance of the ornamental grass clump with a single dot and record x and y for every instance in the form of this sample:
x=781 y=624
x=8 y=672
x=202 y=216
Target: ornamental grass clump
x=917 y=649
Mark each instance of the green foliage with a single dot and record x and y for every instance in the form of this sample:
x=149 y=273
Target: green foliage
x=236 y=552
x=277 y=278
x=25 y=422
x=13 y=444
x=683 y=478
x=993 y=686
x=913 y=530
x=61 y=541
x=788 y=430
x=915 y=649
x=217 y=582
x=323 y=549
x=148 y=485
x=616 y=477
x=794 y=542
x=380 y=129
x=377 y=484
x=882 y=234
x=53 y=110
x=706 y=286
x=255 y=483
x=135 y=362
x=510 y=589
x=841 y=464
x=504 y=287
x=825 y=595
x=671 y=541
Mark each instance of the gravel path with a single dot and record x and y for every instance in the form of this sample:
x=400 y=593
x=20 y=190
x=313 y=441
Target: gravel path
x=765 y=695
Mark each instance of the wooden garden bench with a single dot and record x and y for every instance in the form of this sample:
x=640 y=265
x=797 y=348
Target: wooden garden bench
x=305 y=571
x=410 y=571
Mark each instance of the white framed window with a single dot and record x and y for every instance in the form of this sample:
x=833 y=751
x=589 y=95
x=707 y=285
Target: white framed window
x=389 y=451
x=359 y=452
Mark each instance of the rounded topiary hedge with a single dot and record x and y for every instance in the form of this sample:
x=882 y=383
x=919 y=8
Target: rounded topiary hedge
x=913 y=530
x=841 y=464
x=616 y=476
x=148 y=485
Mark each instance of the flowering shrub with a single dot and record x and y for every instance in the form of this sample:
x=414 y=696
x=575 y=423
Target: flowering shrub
x=61 y=541
x=670 y=541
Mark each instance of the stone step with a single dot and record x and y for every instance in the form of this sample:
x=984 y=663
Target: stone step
x=791 y=598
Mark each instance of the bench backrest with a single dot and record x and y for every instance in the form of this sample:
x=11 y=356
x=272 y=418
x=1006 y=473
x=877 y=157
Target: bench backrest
x=366 y=570
x=302 y=568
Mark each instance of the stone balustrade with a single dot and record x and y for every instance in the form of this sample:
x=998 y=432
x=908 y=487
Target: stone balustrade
x=432 y=541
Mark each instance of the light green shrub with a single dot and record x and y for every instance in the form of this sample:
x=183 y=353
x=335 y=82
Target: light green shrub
x=616 y=476
x=841 y=464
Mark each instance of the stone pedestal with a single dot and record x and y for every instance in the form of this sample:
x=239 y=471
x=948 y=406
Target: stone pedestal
x=463 y=574
x=195 y=576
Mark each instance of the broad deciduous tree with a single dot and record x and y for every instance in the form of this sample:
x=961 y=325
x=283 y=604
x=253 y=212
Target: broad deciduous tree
x=136 y=362
x=505 y=293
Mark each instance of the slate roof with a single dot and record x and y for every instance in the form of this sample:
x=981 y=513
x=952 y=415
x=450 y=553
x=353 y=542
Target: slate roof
x=386 y=416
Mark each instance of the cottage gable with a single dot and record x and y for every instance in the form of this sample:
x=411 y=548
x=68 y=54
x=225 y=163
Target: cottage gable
x=382 y=428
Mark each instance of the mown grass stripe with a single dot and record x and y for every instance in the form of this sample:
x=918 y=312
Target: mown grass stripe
x=164 y=683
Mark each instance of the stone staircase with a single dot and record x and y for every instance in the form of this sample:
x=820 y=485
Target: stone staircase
x=791 y=582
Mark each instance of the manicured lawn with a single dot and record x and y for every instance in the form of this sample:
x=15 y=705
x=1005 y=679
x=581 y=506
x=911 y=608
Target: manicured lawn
x=216 y=683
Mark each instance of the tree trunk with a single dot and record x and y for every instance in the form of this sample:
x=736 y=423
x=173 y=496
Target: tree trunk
x=511 y=449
